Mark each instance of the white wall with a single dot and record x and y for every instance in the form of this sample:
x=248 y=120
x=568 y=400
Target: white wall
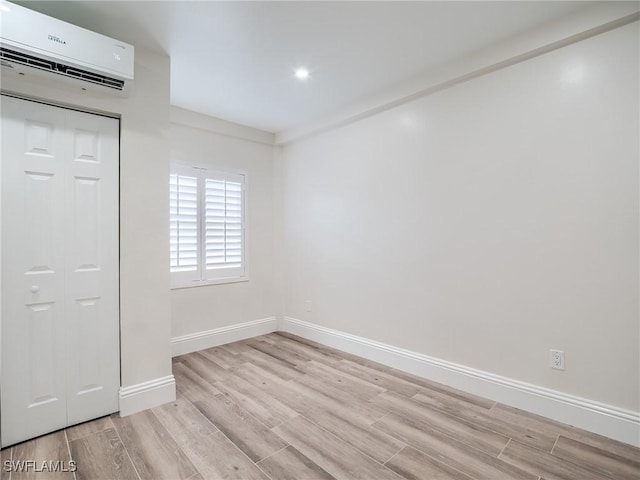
x=144 y=169
x=200 y=140
x=484 y=224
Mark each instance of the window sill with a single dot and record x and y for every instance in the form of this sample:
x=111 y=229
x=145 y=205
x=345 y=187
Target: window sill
x=206 y=283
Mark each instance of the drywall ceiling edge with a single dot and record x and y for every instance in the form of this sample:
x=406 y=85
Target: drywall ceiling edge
x=588 y=22
x=189 y=118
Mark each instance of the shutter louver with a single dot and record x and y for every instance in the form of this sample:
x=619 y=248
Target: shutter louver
x=183 y=223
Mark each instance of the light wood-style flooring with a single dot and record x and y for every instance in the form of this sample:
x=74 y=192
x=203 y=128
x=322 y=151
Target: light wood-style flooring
x=280 y=407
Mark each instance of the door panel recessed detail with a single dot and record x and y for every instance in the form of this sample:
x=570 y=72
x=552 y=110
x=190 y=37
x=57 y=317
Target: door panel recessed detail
x=88 y=315
x=87 y=222
x=86 y=146
x=38 y=138
x=42 y=359
x=39 y=192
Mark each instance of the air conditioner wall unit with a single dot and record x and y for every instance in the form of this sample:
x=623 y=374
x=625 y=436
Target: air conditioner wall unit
x=37 y=45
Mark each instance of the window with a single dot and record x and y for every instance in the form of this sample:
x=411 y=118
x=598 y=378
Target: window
x=207 y=227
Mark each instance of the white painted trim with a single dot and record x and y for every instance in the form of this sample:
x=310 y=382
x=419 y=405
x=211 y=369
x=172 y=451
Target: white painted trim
x=145 y=395
x=607 y=420
x=586 y=23
x=219 y=336
x=189 y=118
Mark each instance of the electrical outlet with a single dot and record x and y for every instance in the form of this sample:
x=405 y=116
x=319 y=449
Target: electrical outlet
x=556 y=359
x=307 y=305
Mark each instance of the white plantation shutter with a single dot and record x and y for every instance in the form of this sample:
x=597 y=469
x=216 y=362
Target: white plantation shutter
x=183 y=226
x=183 y=204
x=224 y=225
x=207 y=232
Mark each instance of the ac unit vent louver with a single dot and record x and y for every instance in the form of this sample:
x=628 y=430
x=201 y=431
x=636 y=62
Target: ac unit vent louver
x=60 y=69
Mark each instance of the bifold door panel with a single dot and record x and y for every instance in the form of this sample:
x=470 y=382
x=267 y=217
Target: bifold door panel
x=59 y=224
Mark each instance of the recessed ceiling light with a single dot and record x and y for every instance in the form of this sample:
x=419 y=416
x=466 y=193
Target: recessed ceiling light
x=301 y=73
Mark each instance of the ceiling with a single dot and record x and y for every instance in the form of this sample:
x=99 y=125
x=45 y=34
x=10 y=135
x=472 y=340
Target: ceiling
x=235 y=60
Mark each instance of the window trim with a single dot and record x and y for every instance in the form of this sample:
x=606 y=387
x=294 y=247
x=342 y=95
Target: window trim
x=177 y=279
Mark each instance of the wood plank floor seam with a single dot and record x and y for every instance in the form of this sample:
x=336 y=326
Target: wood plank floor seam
x=66 y=439
x=245 y=455
x=394 y=455
x=279 y=407
x=484 y=420
x=7 y=475
x=135 y=468
x=503 y=448
x=257 y=464
x=604 y=463
x=253 y=417
x=388 y=459
x=438 y=461
x=274 y=453
x=333 y=435
x=239 y=450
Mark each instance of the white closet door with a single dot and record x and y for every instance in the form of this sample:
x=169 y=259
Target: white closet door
x=91 y=266
x=60 y=348
x=33 y=321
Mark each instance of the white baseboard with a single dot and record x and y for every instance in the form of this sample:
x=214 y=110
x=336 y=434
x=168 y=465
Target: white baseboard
x=142 y=396
x=219 y=336
x=607 y=420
